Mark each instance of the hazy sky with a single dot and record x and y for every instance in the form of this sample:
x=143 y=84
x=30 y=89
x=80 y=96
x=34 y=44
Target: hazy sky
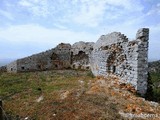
x=32 y=26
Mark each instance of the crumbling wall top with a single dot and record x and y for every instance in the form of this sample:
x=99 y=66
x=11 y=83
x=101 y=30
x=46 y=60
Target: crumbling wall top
x=86 y=47
x=110 y=39
x=143 y=32
x=63 y=46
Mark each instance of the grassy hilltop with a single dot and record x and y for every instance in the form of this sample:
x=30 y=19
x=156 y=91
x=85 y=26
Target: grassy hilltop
x=70 y=95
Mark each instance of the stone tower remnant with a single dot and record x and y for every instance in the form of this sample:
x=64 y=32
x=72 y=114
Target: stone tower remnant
x=114 y=54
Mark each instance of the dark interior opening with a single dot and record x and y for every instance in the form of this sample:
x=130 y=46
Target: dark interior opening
x=91 y=48
x=56 y=66
x=80 y=56
x=38 y=66
x=109 y=69
x=87 y=67
x=11 y=69
x=114 y=69
x=22 y=68
x=105 y=48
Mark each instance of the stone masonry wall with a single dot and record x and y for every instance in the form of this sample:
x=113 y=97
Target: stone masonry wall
x=142 y=36
x=56 y=58
x=114 y=54
x=35 y=62
x=12 y=67
x=108 y=55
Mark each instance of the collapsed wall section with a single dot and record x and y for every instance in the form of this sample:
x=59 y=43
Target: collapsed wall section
x=108 y=55
x=80 y=53
x=61 y=56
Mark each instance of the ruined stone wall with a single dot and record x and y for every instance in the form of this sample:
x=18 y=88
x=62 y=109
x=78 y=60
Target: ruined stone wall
x=111 y=54
x=63 y=56
x=80 y=53
x=114 y=54
x=56 y=58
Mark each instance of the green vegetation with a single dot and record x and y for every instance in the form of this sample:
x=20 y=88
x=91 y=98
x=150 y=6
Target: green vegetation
x=47 y=81
x=20 y=91
x=153 y=92
x=155 y=78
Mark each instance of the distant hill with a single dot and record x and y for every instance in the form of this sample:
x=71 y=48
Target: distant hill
x=154 y=66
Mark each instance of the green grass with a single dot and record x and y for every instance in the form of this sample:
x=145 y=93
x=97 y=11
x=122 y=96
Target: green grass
x=12 y=84
x=20 y=91
x=47 y=81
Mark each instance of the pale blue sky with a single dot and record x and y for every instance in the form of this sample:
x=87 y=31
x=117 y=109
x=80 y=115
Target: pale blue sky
x=32 y=26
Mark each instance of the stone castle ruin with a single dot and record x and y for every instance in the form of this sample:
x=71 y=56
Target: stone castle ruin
x=111 y=54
